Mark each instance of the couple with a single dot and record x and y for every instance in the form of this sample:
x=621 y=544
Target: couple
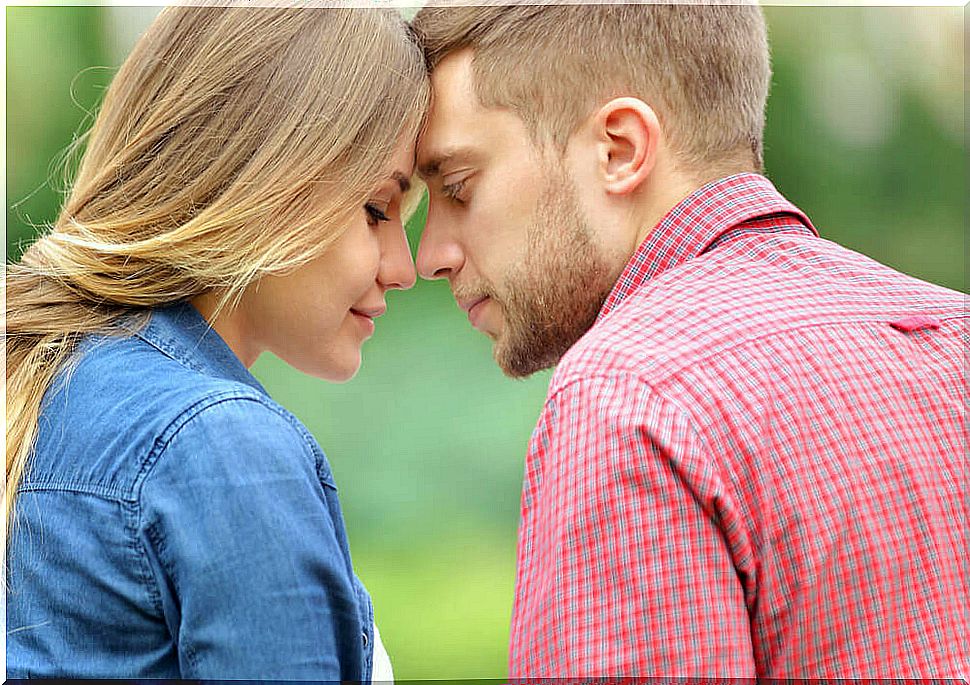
x=749 y=461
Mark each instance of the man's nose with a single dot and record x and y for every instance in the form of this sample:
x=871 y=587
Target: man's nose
x=439 y=253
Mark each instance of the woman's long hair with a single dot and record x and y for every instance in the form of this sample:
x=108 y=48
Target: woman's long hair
x=232 y=144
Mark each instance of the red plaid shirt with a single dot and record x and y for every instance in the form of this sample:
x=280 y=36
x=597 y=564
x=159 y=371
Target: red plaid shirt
x=754 y=464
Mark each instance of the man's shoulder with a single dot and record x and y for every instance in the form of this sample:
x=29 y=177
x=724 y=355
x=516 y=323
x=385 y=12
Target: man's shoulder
x=676 y=318
x=642 y=339
x=726 y=300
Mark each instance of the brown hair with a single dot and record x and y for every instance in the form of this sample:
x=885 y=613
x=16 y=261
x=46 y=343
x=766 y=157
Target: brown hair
x=703 y=68
x=232 y=143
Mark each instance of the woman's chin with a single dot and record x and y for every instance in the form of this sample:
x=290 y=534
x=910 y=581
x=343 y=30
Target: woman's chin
x=339 y=371
x=334 y=364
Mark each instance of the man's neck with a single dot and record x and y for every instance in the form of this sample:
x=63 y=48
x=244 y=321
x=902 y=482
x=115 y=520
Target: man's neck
x=661 y=197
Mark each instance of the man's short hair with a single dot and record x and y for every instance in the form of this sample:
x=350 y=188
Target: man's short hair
x=704 y=69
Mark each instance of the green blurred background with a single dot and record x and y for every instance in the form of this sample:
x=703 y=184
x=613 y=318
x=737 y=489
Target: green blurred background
x=865 y=133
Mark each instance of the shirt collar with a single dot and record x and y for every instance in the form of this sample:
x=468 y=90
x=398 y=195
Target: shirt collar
x=696 y=222
x=182 y=333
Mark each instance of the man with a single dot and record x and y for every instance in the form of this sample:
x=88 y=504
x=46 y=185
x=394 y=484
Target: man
x=750 y=460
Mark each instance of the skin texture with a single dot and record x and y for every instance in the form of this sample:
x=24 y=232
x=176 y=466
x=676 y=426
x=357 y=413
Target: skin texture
x=552 y=295
x=510 y=221
x=317 y=317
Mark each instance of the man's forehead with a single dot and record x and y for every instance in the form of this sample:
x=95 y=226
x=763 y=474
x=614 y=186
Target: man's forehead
x=459 y=129
x=454 y=127
x=454 y=79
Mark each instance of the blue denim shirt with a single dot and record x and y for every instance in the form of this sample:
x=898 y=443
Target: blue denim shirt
x=176 y=522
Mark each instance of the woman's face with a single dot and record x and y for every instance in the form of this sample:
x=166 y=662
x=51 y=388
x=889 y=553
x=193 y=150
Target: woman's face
x=317 y=317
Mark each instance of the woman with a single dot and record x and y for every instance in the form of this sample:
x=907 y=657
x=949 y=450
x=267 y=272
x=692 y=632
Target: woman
x=241 y=192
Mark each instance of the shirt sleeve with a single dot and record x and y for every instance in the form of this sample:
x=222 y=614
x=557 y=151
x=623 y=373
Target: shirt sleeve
x=245 y=542
x=624 y=566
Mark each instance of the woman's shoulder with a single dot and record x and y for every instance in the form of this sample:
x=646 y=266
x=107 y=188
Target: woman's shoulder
x=115 y=410
x=234 y=440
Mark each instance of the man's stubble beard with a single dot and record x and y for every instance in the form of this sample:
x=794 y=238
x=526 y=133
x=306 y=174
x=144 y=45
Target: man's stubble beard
x=553 y=296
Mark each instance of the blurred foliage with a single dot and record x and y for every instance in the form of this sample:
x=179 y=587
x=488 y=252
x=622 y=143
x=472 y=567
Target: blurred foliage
x=864 y=133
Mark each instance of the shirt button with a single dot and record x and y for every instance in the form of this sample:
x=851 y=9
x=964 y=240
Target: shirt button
x=364 y=635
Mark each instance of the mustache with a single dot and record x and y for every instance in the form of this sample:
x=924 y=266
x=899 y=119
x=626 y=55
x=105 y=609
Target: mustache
x=473 y=291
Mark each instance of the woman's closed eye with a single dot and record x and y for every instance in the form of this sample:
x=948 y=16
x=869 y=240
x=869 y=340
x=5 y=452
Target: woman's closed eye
x=375 y=214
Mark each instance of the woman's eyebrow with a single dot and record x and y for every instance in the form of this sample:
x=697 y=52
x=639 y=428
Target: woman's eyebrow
x=403 y=181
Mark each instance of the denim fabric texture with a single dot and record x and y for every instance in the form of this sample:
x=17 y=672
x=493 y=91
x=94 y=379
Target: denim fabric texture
x=176 y=522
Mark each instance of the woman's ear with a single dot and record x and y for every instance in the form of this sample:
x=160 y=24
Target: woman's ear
x=627 y=132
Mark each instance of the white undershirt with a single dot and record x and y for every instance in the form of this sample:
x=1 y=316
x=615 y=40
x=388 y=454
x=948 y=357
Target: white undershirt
x=381 y=672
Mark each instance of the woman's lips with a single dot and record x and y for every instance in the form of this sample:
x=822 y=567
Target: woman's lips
x=365 y=321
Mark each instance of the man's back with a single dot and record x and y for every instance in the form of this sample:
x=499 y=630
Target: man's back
x=753 y=464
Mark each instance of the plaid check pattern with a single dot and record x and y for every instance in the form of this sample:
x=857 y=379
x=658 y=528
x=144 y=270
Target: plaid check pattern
x=754 y=464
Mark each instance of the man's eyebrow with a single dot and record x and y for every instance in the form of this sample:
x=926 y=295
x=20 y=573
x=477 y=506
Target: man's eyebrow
x=432 y=167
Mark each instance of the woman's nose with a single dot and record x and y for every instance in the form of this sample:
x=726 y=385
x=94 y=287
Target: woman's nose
x=397 y=267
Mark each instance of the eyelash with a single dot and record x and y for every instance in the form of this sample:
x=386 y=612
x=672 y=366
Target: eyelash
x=375 y=215
x=453 y=190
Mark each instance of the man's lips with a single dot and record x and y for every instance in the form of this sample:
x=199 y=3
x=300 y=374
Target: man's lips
x=473 y=307
x=467 y=304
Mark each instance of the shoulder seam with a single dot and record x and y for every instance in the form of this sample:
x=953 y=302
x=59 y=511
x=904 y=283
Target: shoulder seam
x=621 y=374
x=738 y=343
x=192 y=411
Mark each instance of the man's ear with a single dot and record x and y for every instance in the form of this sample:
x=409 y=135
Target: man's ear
x=627 y=134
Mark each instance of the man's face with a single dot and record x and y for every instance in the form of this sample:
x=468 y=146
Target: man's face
x=506 y=228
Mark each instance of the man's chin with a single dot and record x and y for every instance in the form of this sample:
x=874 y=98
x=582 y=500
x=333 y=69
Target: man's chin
x=519 y=361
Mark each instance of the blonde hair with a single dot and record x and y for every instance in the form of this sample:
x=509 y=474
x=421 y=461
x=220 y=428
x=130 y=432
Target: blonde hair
x=233 y=143
x=703 y=68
